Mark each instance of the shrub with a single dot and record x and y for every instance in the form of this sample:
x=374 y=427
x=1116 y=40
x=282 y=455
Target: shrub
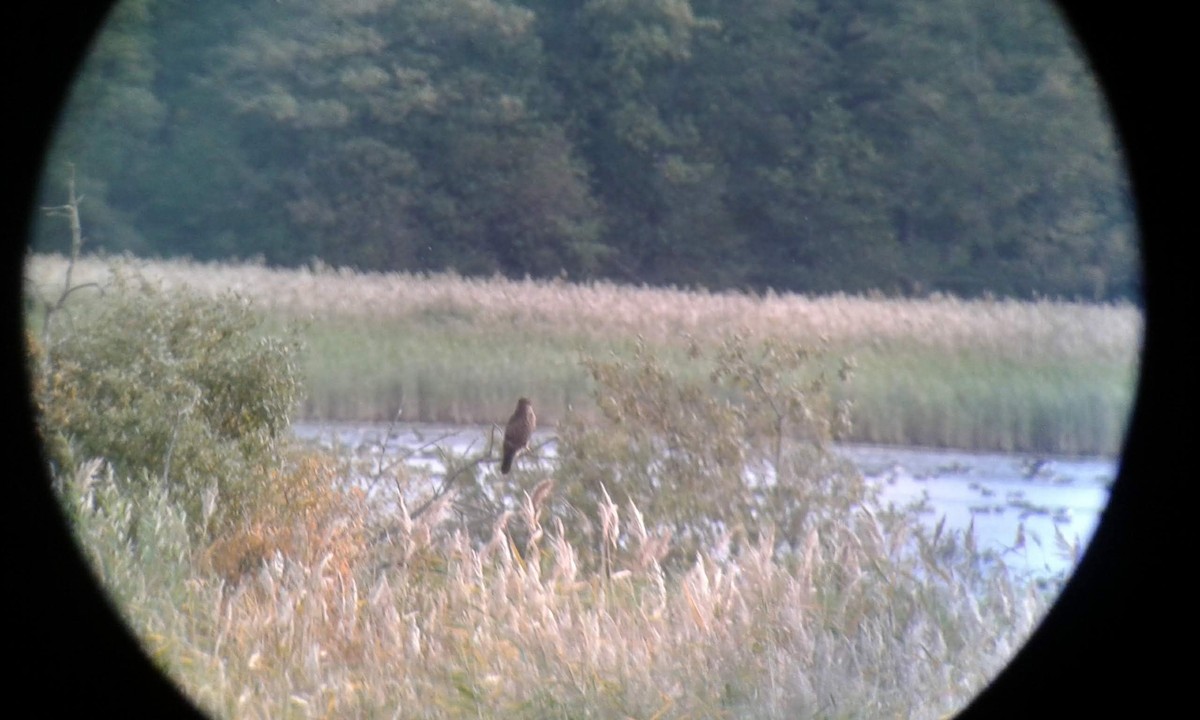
x=174 y=389
x=732 y=447
x=307 y=513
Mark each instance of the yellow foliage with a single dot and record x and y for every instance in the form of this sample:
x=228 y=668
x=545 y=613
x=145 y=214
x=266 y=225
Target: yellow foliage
x=308 y=516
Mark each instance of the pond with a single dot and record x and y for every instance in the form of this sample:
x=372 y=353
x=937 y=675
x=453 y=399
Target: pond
x=1035 y=511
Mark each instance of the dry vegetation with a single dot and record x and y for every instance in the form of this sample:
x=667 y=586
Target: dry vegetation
x=1046 y=376
x=426 y=624
x=1048 y=330
x=764 y=581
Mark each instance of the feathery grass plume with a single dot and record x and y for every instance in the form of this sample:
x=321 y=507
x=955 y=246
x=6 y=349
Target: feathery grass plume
x=857 y=621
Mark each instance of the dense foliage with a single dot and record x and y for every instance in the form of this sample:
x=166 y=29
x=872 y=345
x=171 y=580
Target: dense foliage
x=177 y=391
x=803 y=145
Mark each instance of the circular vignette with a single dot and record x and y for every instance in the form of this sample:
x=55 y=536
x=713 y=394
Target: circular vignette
x=1102 y=641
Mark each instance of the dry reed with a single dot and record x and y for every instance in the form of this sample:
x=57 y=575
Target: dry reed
x=1049 y=329
x=854 y=624
x=989 y=374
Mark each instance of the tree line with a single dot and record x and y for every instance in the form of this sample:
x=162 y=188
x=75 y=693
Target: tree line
x=804 y=145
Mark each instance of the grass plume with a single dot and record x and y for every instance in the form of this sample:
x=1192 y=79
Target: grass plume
x=846 y=626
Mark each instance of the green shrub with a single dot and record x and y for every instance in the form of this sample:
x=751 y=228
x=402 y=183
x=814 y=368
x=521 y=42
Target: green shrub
x=732 y=447
x=174 y=389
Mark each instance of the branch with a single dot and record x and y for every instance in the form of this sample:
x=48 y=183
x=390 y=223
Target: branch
x=71 y=211
x=449 y=478
x=483 y=458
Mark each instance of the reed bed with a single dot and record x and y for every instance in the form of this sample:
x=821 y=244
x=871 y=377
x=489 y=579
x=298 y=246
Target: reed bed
x=422 y=623
x=1045 y=376
x=1045 y=329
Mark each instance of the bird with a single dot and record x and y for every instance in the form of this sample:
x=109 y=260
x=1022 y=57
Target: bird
x=517 y=433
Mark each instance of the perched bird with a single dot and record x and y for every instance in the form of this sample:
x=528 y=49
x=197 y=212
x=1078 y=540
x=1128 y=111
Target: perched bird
x=517 y=433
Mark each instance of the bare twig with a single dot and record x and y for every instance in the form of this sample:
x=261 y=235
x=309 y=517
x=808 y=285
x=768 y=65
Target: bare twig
x=449 y=478
x=387 y=436
x=71 y=211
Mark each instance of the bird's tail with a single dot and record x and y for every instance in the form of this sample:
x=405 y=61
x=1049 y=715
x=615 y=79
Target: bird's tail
x=506 y=464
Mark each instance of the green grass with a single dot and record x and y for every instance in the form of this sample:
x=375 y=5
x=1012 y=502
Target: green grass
x=367 y=370
x=977 y=401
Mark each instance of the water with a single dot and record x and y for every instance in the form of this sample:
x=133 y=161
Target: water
x=1053 y=502
x=1006 y=495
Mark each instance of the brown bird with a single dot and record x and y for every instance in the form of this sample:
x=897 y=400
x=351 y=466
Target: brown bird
x=517 y=433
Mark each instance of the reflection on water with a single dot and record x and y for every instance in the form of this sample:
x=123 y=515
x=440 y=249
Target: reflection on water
x=1031 y=510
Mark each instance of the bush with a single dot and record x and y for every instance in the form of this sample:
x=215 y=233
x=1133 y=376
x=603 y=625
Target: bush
x=311 y=516
x=174 y=389
x=733 y=447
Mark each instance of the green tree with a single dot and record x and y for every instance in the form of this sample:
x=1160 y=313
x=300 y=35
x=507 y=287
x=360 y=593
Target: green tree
x=428 y=143
x=110 y=122
x=803 y=145
x=1001 y=161
x=625 y=71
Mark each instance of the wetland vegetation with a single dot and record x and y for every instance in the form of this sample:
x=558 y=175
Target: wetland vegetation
x=642 y=576
x=987 y=374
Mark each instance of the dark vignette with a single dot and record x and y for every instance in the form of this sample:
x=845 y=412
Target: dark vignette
x=1106 y=640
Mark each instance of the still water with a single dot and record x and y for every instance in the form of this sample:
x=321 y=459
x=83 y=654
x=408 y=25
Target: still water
x=1034 y=510
x=1053 y=502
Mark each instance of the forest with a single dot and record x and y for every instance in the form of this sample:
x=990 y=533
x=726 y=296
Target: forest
x=811 y=146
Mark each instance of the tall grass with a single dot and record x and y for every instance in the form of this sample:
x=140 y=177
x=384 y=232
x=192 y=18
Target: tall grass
x=765 y=581
x=863 y=621
x=1046 y=376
